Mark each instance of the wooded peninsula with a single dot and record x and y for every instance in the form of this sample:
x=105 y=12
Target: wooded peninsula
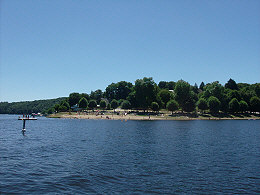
x=146 y=98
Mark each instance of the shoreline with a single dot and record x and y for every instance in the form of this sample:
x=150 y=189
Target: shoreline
x=143 y=117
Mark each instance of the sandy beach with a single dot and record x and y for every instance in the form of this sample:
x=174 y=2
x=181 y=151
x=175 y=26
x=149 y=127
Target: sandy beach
x=164 y=116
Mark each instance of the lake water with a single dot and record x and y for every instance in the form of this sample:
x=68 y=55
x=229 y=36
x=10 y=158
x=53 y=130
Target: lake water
x=69 y=156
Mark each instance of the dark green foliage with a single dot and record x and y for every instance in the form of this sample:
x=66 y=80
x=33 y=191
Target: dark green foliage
x=165 y=96
x=243 y=106
x=92 y=104
x=96 y=95
x=155 y=106
x=114 y=104
x=202 y=104
x=257 y=89
x=66 y=104
x=118 y=90
x=83 y=103
x=74 y=99
x=85 y=95
x=171 y=85
x=172 y=105
x=56 y=107
x=50 y=111
x=145 y=92
x=28 y=107
x=62 y=108
x=195 y=88
x=184 y=96
x=234 y=105
x=103 y=104
x=182 y=92
x=166 y=85
x=255 y=104
x=233 y=94
x=189 y=105
x=231 y=84
x=125 y=104
x=213 y=104
x=163 y=85
x=108 y=106
x=202 y=86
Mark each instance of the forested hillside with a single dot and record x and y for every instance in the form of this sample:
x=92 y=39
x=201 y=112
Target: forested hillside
x=28 y=107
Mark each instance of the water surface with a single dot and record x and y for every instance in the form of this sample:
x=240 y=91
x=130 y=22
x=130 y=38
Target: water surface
x=69 y=156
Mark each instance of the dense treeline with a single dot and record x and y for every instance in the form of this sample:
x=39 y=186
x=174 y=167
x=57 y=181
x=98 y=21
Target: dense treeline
x=29 y=107
x=146 y=94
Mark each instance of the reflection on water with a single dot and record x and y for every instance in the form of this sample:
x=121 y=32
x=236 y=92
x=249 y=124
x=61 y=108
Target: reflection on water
x=92 y=156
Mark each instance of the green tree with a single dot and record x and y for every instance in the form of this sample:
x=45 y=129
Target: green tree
x=85 y=95
x=145 y=92
x=96 y=95
x=255 y=104
x=155 y=106
x=202 y=104
x=114 y=104
x=182 y=92
x=74 y=99
x=172 y=105
x=83 y=103
x=171 y=85
x=243 y=106
x=163 y=85
x=123 y=89
x=213 y=104
x=62 y=108
x=257 y=89
x=56 y=107
x=103 y=104
x=189 y=105
x=202 y=86
x=234 y=105
x=231 y=84
x=50 y=111
x=165 y=96
x=108 y=106
x=125 y=104
x=66 y=104
x=92 y=104
x=110 y=92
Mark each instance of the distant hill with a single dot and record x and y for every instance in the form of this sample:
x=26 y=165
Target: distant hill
x=28 y=107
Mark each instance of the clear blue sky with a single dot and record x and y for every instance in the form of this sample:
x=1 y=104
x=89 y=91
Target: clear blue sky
x=51 y=48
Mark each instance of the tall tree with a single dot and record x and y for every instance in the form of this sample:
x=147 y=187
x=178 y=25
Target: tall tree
x=213 y=104
x=234 y=105
x=103 y=104
x=114 y=104
x=182 y=92
x=202 y=104
x=255 y=104
x=202 y=86
x=74 y=98
x=155 y=106
x=231 y=84
x=83 y=103
x=145 y=92
x=92 y=104
x=163 y=85
x=165 y=96
x=96 y=95
x=172 y=105
x=243 y=106
x=125 y=104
